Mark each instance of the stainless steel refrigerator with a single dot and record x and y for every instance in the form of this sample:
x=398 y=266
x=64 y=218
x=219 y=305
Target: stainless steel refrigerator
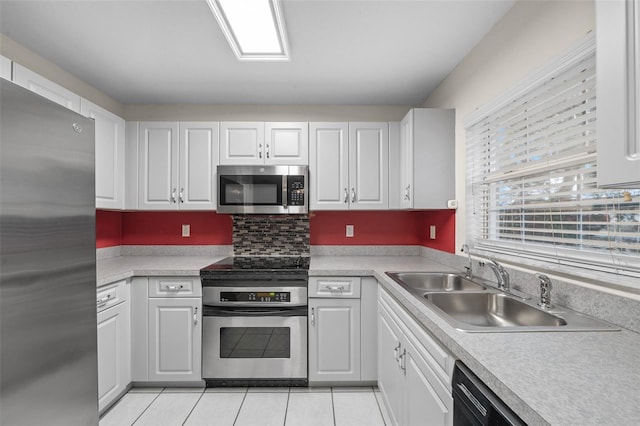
x=48 y=365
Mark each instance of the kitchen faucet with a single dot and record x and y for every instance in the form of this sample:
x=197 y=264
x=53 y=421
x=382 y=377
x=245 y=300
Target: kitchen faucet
x=545 y=291
x=501 y=274
x=469 y=271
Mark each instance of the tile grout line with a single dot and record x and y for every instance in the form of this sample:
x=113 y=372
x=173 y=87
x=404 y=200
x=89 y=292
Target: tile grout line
x=241 y=404
x=379 y=408
x=149 y=405
x=286 y=409
x=194 y=407
x=333 y=408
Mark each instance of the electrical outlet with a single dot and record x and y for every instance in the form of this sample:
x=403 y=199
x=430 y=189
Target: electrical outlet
x=349 y=232
x=432 y=232
x=186 y=230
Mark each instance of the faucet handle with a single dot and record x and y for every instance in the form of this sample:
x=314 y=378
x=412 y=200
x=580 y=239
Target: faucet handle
x=545 y=291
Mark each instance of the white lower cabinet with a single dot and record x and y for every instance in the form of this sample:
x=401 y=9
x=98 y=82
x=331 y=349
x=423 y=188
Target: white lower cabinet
x=342 y=332
x=334 y=339
x=114 y=343
x=166 y=329
x=174 y=339
x=414 y=370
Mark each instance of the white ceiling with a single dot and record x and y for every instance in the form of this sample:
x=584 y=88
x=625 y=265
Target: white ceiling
x=357 y=52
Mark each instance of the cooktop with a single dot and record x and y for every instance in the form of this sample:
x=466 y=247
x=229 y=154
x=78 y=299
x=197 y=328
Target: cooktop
x=258 y=264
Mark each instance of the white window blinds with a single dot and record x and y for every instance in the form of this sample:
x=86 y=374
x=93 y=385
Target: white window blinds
x=531 y=175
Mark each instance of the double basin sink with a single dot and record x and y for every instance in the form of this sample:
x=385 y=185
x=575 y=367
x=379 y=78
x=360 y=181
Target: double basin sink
x=474 y=307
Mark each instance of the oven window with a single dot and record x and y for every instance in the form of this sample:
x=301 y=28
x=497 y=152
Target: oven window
x=255 y=342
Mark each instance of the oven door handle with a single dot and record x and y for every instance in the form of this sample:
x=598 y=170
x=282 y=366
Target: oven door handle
x=215 y=311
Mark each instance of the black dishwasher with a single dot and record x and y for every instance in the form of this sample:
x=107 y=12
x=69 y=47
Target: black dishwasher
x=475 y=405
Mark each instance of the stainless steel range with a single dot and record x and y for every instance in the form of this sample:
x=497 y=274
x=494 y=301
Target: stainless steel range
x=255 y=321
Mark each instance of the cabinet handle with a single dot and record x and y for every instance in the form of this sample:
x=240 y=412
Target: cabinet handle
x=395 y=351
x=182 y=195
x=339 y=288
x=259 y=150
x=346 y=196
x=267 y=150
x=173 y=195
x=402 y=360
x=353 y=195
x=103 y=301
x=406 y=193
x=195 y=316
x=174 y=287
x=313 y=316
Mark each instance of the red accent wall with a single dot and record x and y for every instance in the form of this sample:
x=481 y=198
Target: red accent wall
x=165 y=228
x=108 y=228
x=115 y=228
x=370 y=228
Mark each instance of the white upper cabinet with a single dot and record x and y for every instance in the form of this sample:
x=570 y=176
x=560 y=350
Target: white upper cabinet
x=427 y=158
x=349 y=166
x=5 y=68
x=286 y=143
x=109 y=130
x=369 y=166
x=246 y=143
x=242 y=143
x=46 y=88
x=329 y=166
x=198 y=161
x=618 y=91
x=176 y=166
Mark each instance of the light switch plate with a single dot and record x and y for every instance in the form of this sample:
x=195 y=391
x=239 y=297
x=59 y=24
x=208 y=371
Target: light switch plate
x=432 y=232
x=186 y=230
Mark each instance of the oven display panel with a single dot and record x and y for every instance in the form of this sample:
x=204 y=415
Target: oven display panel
x=255 y=296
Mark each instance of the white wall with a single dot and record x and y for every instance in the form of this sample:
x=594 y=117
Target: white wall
x=532 y=33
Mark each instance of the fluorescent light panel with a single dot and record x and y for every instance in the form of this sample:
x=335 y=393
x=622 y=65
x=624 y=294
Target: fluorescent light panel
x=253 y=28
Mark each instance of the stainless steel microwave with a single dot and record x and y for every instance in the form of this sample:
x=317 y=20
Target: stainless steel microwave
x=263 y=189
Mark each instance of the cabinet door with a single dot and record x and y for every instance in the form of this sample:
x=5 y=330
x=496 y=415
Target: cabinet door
x=369 y=166
x=109 y=155
x=389 y=372
x=286 y=143
x=406 y=161
x=426 y=401
x=46 y=88
x=175 y=339
x=329 y=166
x=158 y=166
x=242 y=143
x=334 y=340
x=5 y=67
x=113 y=353
x=198 y=161
x=618 y=89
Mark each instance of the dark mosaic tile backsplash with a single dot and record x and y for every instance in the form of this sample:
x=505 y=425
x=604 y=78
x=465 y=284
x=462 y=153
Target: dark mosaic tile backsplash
x=278 y=235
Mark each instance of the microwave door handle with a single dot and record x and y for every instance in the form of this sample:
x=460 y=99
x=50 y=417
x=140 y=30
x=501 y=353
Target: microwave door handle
x=284 y=191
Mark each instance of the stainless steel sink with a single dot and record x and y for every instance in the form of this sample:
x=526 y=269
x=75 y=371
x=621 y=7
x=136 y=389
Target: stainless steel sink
x=434 y=281
x=492 y=310
x=498 y=312
x=474 y=307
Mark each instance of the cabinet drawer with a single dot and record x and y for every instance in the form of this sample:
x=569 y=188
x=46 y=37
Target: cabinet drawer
x=175 y=287
x=110 y=295
x=348 y=287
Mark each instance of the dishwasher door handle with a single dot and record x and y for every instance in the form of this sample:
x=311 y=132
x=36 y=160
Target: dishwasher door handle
x=473 y=399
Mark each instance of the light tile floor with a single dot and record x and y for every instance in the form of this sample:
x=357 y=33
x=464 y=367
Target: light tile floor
x=338 y=406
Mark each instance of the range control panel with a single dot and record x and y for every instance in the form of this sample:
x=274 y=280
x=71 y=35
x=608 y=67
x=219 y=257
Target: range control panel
x=255 y=296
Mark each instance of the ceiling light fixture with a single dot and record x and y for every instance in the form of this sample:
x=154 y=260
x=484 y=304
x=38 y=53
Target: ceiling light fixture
x=254 y=28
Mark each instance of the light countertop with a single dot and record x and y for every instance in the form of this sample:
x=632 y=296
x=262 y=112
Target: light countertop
x=558 y=378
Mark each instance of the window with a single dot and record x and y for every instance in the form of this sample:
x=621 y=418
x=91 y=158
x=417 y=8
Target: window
x=532 y=174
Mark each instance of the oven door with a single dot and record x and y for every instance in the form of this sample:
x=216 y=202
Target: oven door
x=254 y=343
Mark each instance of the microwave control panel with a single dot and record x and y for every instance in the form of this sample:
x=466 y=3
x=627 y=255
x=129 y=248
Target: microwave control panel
x=295 y=190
